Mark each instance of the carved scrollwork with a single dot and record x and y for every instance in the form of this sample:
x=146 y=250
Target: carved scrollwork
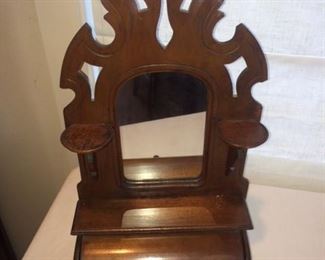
x=136 y=50
x=135 y=34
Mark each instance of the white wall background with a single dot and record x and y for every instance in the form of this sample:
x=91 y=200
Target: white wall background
x=34 y=37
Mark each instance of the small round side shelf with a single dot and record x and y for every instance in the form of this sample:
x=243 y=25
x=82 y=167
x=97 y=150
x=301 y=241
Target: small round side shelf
x=86 y=138
x=242 y=133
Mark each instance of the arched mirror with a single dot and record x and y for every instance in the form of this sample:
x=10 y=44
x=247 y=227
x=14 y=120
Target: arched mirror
x=162 y=119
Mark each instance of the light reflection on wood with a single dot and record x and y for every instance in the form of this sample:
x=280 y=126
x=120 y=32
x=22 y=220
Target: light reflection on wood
x=167 y=217
x=169 y=247
x=163 y=168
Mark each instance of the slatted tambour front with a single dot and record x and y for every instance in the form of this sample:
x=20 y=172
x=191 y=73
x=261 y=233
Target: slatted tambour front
x=168 y=247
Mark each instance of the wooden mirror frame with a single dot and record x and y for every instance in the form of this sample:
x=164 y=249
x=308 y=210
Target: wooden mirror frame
x=156 y=162
x=91 y=129
x=167 y=184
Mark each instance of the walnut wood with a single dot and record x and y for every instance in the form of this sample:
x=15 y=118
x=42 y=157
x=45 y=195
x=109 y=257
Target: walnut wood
x=214 y=201
x=160 y=169
x=221 y=246
x=150 y=215
x=192 y=51
x=86 y=138
x=242 y=133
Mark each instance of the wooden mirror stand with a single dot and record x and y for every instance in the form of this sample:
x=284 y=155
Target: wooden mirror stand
x=204 y=217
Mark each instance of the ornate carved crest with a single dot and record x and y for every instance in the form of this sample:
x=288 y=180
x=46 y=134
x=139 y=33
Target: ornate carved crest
x=136 y=50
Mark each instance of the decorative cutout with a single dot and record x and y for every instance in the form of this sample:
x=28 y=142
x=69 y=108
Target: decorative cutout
x=91 y=164
x=94 y=12
x=186 y=5
x=105 y=40
x=224 y=30
x=164 y=29
x=92 y=73
x=232 y=161
x=105 y=33
x=234 y=70
x=141 y=4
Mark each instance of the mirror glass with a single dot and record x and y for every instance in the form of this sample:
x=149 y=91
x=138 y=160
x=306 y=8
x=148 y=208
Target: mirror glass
x=161 y=118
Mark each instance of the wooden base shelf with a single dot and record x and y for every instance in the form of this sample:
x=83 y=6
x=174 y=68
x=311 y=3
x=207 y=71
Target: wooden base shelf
x=180 y=214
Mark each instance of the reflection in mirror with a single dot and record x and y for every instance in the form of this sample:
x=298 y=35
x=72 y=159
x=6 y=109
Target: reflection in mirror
x=162 y=125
